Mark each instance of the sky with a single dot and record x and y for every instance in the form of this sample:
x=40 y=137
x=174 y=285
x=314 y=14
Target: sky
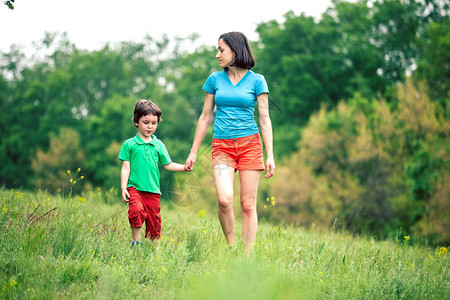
x=90 y=24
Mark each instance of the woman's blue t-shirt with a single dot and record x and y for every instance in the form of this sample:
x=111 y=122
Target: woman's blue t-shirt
x=235 y=104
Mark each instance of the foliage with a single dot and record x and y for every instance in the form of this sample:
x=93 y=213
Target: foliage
x=432 y=66
x=105 y=135
x=63 y=248
x=369 y=168
x=64 y=152
x=354 y=47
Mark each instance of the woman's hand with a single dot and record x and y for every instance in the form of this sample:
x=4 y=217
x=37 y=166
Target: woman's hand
x=190 y=161
x=270 y=167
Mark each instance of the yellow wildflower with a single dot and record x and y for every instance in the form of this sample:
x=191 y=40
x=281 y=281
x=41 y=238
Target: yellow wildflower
x=442 y=251
x=71 y=180
x=78 y=170
x=201 y=213
x=68 y=172
x=82 y=177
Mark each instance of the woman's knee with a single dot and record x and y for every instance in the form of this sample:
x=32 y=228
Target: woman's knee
x=248 y=206
x=225 y=201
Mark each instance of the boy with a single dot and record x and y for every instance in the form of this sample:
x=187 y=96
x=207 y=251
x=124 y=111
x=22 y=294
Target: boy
x=139 y=176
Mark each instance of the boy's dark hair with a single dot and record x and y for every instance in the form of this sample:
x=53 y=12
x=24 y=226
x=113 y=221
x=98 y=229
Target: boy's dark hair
x=146 y=107
x=238 y=43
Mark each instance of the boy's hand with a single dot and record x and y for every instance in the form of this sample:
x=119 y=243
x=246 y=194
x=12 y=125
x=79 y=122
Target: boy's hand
x=125 y=196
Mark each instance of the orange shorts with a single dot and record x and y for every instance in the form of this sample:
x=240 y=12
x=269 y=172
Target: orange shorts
x=244 y=153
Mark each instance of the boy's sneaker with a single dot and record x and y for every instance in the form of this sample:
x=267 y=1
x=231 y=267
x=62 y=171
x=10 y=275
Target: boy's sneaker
x=137 y=243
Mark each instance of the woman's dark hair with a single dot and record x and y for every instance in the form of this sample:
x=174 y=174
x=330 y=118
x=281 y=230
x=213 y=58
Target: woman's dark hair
x=238 y=43
x=146 y=107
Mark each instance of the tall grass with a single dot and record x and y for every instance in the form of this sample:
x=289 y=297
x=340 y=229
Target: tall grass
x=79 y=248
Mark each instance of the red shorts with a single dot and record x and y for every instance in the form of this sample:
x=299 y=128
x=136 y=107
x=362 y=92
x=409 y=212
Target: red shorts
x=244 y=153
x=145 y=207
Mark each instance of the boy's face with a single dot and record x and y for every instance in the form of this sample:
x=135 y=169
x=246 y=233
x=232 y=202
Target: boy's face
x=147 y=126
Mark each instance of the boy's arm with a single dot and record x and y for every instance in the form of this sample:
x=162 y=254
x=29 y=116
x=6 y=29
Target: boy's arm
x=174 y=167
x=124 y=175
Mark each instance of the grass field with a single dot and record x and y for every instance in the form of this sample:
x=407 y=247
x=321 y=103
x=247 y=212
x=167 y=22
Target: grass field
x=79 y=248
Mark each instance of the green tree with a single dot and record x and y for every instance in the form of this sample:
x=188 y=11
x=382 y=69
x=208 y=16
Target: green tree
x=64 y=89
x=364 y=47
x=372 y=167
x=50 y=167
x=106 y=133
x=434 y=49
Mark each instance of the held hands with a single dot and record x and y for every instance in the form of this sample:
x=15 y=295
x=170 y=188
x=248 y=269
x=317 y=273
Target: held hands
x=270 y=167
x=190 y=161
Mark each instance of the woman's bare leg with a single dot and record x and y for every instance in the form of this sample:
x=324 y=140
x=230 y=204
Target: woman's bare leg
x=249 y=189
x=223 y=180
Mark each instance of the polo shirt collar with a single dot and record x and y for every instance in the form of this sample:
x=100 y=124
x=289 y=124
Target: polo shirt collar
x=140 y=141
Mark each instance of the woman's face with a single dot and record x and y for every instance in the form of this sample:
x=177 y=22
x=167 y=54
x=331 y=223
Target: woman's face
x=225 y=55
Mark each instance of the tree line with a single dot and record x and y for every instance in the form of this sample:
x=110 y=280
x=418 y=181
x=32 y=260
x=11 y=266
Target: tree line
x=358 y=103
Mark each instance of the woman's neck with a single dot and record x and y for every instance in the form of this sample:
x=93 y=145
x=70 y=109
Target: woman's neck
x=236 y=74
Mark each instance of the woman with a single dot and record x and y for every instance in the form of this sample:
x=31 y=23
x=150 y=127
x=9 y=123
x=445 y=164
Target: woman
x=235 y=91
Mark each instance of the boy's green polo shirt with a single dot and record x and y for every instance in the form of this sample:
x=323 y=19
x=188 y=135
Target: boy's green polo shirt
x=144 y=161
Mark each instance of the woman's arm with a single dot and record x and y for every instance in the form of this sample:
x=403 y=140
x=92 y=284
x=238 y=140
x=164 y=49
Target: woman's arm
x=266 y=131
x=202 y=127
x=124 y=175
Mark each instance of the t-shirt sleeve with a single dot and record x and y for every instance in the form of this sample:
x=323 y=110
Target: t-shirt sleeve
x=261 y=86
x=164 y=157
x=125 y=153
x=210 y=84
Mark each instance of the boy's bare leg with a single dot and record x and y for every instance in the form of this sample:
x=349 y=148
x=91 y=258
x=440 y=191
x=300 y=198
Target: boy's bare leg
x=136 y=233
